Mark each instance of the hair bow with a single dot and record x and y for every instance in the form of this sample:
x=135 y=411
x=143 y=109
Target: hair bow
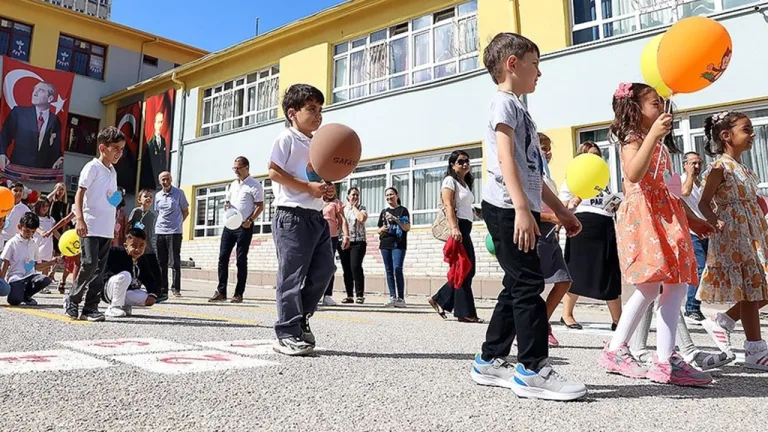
x=720 y=116
x=624 y=91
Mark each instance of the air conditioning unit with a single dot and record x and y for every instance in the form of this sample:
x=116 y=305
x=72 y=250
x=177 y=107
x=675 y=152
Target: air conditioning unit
x=72 y=181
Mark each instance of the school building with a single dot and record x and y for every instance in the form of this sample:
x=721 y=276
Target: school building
x=106 y=57
x=408 y=77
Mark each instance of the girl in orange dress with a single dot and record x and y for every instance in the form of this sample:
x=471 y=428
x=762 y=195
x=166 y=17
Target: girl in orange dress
x=737 y=262
x=652 y=234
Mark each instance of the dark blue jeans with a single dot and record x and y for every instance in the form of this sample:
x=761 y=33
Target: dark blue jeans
x=393 y=263
x=700 y=248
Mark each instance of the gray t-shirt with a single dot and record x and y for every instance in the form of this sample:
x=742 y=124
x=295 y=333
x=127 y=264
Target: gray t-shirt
x=144 y=220
x=507 y=109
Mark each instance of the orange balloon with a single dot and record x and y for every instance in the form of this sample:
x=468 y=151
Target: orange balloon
x=693 y=54
x=6 y=201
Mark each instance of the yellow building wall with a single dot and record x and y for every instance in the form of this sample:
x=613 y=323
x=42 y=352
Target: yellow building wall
x=494 y=17
x=563 y=150
x=546 y=22
x=189 y=224
x=294 y=70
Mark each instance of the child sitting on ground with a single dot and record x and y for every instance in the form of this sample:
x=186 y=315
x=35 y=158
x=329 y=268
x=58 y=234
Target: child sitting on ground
x=128 y=269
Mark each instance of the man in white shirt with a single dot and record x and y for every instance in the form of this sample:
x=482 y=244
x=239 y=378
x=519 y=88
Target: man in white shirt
x=691 y=192
x=246 y=195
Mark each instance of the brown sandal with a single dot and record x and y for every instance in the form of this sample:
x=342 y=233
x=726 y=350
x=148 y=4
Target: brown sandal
x=473 y=320
x=437 y=308
x=62 y=287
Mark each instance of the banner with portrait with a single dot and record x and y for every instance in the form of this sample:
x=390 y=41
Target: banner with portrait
x=33 y=118
x=158 y=138
x=129 y=123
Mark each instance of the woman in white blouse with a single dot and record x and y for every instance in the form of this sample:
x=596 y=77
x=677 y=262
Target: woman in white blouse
x=457 y=197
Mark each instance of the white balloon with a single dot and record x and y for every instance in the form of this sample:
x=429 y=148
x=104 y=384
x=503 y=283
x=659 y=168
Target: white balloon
x=233 y=219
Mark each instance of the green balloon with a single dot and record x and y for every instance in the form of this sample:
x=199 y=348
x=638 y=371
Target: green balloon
x=489 y=245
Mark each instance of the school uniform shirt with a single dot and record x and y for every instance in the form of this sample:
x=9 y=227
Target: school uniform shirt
x=144 y=220
x=604 y=204
x=11 y=227
x=394 y=237
x=140 y=270
x=45 y=245
x=463 y=197
x=290 y=152
x=244 y=195
x=22 y=255
x=101 y=198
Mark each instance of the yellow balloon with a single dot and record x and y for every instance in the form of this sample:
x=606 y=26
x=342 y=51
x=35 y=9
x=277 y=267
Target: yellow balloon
x=587 y=175
x=649 y=66
x=69 y=243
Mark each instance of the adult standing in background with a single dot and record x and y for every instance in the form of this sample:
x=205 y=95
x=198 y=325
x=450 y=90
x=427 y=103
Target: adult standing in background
x=691 y=192
x=172 y=210
x=394 y=224
x=246 y=195
x=352 y=257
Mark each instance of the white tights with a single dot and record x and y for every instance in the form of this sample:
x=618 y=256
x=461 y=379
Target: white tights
x=668 y=309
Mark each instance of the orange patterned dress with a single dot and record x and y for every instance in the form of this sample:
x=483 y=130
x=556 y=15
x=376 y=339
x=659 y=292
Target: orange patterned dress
x=737 y=261
x=652 y=229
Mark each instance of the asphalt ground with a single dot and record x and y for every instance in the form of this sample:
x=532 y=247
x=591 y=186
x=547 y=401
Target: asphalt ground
x=187 y=365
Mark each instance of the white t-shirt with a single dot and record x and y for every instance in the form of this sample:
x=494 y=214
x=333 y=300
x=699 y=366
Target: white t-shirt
x=693 y=199
x=22 y=255
x=243 y=195
x=11 y=227
x=291 y=153
x=464 y=198
x=45 y=245
x=601 y=204
x=101 y=198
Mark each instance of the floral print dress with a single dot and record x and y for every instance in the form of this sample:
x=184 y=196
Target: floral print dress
x=736 y=263
x=652 y=228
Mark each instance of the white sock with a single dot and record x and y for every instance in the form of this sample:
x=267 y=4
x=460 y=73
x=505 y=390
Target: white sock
x=633 y=312
x=667 y=314
x=753 y=347
x=724 y=321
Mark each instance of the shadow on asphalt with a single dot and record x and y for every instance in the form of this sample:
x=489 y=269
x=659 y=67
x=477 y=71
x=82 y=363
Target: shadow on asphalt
x=751 y=384
x=558 y=361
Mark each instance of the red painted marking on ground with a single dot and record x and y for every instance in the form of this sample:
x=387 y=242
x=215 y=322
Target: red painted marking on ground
x=181 y=360
x=28 y=359
x=116 y=344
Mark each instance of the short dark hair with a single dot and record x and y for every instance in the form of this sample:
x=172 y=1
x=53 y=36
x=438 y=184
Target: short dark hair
x=30 y=221
x=17 y=184
x=145 y=191
x=685 y=156
x=136 y=233
x=298 y=95
x=110 y=135
x=503 y=46
x=243 y=160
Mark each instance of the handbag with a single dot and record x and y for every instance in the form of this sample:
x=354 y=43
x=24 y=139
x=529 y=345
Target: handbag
x=441 y=228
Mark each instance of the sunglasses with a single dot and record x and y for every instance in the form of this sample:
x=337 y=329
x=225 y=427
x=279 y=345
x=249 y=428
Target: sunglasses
x=462 y=161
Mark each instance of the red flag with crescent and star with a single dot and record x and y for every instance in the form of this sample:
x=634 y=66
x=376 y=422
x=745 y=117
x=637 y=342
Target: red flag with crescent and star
x=129 y=122
x=33 y=119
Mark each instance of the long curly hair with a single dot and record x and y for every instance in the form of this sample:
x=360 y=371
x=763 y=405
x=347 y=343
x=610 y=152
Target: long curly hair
x=628 y=117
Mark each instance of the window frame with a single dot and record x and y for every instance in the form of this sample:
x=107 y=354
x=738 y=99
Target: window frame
x=89 y=51
x=12 y=31
x=248 y=117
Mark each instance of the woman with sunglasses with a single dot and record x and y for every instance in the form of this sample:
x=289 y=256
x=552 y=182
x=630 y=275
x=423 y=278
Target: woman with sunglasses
x=457 y=197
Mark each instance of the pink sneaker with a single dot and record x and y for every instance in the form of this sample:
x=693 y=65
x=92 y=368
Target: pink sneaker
x=621 y=362
x=553 y=342
x=676 y=371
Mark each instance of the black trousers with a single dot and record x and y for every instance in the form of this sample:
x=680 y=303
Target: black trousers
x=352 y=263
x=94 y=252
x=168 y=248
x=520 y=310
x=241 y=238
x=336 y=245
x=461 y=301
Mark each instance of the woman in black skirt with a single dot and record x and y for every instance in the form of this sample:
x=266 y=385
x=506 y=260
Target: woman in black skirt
x=592 y=256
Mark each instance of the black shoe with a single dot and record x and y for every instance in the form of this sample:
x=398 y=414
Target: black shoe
x=161 y=299
x=695 y=316
x=92 y=315
x=306 y=332
x=30 y=302
x=613 y=326
x=217 y=297
x=72 y=310
x=574 y=326
x=293 y=346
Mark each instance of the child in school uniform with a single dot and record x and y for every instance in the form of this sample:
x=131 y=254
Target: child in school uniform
x=128 y=270
x=301 y=234
x=144 y=217
x=21 y=264
x=19 y=209
x=512 y=203
x=96 y=202
x=44 y=244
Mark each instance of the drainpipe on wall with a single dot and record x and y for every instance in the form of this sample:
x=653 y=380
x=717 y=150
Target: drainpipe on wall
x=180 y=144
x=515 y=6
x=141 y=57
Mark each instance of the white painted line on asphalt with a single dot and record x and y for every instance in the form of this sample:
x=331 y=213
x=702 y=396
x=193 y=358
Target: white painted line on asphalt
x=107 y=347
x=52 y=360
x=191 y=362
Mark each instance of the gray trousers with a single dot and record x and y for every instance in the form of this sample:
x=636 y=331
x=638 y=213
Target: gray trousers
x=305 y=265
x=90 y=280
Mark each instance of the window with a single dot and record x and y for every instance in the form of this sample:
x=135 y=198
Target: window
x=209 y=210
x=81 y=134
x=431 y=47
x=15 y=39
x=81 y=57
x=149 y=60
x=241 y=102
x=593 y=20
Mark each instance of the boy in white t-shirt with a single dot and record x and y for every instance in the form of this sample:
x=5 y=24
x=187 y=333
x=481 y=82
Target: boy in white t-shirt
x=21 y=263
x=96 y=204
x=301 y=234
x=19 y=209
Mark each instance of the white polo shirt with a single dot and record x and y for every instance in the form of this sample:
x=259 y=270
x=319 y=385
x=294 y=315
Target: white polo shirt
x=693 y=199
x=22 y=255
x=291 y=153
x=244 y=195
x=100 y=204
x=12 y=221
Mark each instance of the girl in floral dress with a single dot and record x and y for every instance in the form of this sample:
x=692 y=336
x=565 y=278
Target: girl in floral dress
x=653 y=238
x=737 y=262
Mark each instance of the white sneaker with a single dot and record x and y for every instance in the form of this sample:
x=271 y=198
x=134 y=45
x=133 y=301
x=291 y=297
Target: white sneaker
x=399 y=303
x=329 y=301
x=545 y=384
x=720 y=335
x=128 y=310
x=115 y=312
x=756 y=356
x=391 y=303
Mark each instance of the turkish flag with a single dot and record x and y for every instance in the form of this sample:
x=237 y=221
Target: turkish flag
x=128 y=122
x=33 y=118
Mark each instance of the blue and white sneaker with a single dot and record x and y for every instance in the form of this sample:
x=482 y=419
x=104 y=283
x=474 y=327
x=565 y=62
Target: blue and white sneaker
x=497 y=372
x=545 y=384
